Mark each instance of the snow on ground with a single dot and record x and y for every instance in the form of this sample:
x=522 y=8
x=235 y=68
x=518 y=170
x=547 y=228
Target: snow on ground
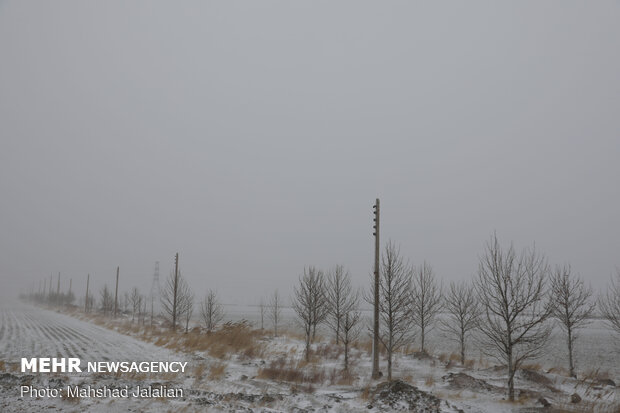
x=597 y=346
x=27 y=331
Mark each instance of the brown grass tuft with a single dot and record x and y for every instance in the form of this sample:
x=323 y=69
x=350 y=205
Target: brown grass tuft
x=292 y=372
x=365 y=394
x=328 y=351
x=199 y=371
x=217 y=371
x=532 y=367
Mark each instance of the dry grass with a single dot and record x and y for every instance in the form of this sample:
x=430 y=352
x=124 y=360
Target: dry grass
x=199 y=371
x=292 y=371
x=430 y=381
x=9 y=366
x=531 y=366
x=328 y=351
x=597 y=375
x=366 y=393
x=365 y=346
x=561 y=371
x=217 y=371
x=345 y=378
x=231 y=339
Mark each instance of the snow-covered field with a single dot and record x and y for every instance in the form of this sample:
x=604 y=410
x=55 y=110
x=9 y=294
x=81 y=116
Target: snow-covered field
x=27 y=331
x=597 y=346
x=238 y=382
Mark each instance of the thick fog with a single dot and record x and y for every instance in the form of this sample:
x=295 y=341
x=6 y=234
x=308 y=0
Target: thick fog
x=254 y=137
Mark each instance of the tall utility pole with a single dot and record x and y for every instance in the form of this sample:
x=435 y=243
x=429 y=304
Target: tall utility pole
x=86 y=298
x=155 y=294
x=58 y=288
x=116 y=293
x=174 y=292
x=69 y=295
x=375 y=334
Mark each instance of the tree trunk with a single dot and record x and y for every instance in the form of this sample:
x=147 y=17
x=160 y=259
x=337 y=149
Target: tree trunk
x=422 y=340
x=462 y=349
x=571 y=366
x=337 y=330
x=308 y=346
x=511 y=374
x=389 y=368
x=346 y=355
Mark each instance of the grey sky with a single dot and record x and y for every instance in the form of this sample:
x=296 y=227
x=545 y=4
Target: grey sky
x=253 y=137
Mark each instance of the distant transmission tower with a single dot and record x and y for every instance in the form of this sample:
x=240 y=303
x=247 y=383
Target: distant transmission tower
x=155 y=294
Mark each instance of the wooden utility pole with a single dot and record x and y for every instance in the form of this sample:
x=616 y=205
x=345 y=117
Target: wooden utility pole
x=58 y=288
x=174 y=292
x=86 y=298
x=375 y=334
x=116 y=293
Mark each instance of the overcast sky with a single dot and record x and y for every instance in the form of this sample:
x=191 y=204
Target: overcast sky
x=253 y=137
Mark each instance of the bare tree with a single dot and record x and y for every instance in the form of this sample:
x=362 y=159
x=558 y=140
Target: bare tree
x=211 y=310
x=309 y=303
x=275 y=311
x=340 y=296
x=134 y=299
x=463 y=310
x=141 y=309
x=89 y=302
x=349 y=330
x=425 y=300
x=126 y=302
x=394 y=306
x=514 y=303
x=571 y=306
x=170 y=298
x=186 y=303
x=262 y=309
x=609 y=303
x=107 y=301
x=319 y=309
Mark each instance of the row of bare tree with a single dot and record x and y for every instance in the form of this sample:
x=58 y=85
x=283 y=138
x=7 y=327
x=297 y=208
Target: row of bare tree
x=327 y=298
x=511 y=303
